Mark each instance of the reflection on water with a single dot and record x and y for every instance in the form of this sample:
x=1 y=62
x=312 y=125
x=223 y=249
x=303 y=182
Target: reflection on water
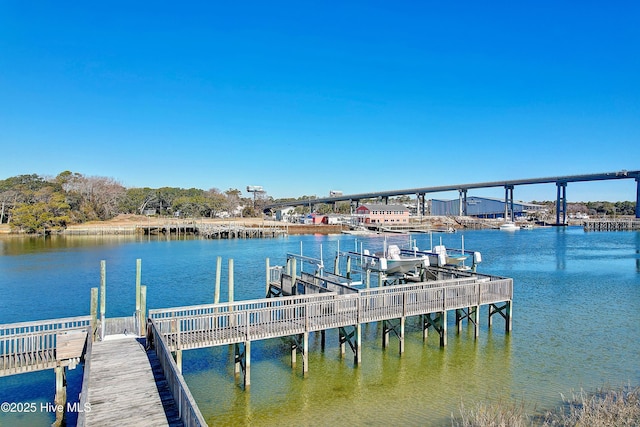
x=575 y=323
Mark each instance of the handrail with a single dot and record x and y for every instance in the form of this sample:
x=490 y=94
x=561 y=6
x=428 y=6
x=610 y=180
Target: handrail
x=84 y=392
x=188 y=328
x=188 y=410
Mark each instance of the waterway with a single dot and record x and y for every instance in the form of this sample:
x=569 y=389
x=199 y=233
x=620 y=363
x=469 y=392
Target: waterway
x=575 y=325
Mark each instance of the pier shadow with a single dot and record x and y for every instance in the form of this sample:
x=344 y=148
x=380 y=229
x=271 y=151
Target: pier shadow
x=168 y=402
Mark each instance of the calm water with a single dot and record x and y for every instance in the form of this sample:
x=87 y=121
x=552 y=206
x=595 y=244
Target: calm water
x=576 y=315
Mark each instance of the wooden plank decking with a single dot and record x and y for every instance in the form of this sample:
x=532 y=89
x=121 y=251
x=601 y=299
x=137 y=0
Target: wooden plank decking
x=126 y=389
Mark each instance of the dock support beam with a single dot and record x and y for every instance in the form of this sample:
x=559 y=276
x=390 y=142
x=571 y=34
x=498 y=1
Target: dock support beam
x=504 y=311
x=243 y=361
x=439 y=323
x=60 y=399
x=301 y=344
x=561 y=203
x=472 y=316
x=354 y=339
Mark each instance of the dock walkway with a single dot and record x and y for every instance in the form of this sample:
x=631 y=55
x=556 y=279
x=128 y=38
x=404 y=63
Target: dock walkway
x=125 y=390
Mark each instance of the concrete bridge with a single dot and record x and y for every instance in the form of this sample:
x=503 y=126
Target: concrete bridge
x=508 y=185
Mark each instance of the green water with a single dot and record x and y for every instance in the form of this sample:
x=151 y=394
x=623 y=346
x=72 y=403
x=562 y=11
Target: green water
x=575 y=325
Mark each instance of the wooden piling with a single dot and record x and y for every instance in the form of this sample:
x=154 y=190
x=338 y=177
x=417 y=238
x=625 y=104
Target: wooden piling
x=94 y=313
x=103 y=296
x=216 y=292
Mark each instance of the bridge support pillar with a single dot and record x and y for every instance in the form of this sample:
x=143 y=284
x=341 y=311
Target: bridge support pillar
x=637 y=197
x=508 y=203
x=561 y=203
x=463 y=202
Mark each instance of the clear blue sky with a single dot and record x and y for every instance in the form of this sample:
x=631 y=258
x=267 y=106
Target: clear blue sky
x=307 y=97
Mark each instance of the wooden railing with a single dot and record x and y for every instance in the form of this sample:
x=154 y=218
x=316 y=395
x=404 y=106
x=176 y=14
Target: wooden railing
x=31 y=346
x=188 y=410
x=219 y=324
x=84 y=392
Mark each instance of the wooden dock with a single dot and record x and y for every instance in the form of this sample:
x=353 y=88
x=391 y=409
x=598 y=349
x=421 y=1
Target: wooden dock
x=124 y=389
x=625 y=224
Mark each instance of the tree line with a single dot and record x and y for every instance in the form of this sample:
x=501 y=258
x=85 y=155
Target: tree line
x=33 y=203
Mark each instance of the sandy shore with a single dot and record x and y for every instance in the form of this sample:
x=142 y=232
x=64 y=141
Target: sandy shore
x=130 y=221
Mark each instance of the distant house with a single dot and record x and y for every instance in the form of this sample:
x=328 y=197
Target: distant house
x=382 y=214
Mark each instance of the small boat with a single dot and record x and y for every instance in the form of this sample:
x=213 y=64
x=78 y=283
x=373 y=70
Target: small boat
x=508 y=226
x=527 y=226
x=392 y=261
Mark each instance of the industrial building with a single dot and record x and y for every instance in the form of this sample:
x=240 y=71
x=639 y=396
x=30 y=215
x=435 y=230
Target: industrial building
x=481 y=207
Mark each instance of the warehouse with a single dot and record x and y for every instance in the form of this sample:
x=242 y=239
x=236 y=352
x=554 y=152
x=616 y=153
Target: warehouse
x=481 y=207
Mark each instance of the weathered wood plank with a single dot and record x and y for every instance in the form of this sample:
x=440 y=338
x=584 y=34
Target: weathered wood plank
x=70 y=344
x=122 y=387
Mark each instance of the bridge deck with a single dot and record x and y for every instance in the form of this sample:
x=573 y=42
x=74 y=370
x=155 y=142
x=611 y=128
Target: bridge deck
x=125 y=390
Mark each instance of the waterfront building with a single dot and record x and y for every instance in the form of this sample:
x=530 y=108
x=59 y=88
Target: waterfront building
x=382 y=214
x=481 y=207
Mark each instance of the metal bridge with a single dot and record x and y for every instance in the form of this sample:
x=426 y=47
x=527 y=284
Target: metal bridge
x=560 y=181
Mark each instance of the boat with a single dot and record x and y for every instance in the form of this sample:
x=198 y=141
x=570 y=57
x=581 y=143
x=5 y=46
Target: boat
x=508 y=226
x=393 y=261
x=527 y=226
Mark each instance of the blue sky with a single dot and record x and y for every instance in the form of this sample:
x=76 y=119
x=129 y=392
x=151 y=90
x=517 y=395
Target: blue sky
x=307 y=97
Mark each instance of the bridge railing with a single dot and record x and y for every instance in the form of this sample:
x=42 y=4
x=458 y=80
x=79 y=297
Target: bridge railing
x=188 y=410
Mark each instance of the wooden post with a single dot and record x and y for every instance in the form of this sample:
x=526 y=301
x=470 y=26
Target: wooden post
x=508 y=317
x=348 y=267
x=179 y=360
x=94 y=313
x=476 y=321
x=231 y=280
x=141 y=320
x=143 y=310
x=401 y=337
x=443 y=329
x=60 y=399
x=268 y=278
x=247 y=364
x=358 y=355
x=336 y=265
x=103 y=295
x=305 y=353
x=425 y=326
x=385 y=334
x=216 y=292
x=368 y=279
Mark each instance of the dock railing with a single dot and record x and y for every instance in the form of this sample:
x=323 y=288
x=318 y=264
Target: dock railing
x=84 y=392
x=188 y=410
x=32 y=346
x=229 y=323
